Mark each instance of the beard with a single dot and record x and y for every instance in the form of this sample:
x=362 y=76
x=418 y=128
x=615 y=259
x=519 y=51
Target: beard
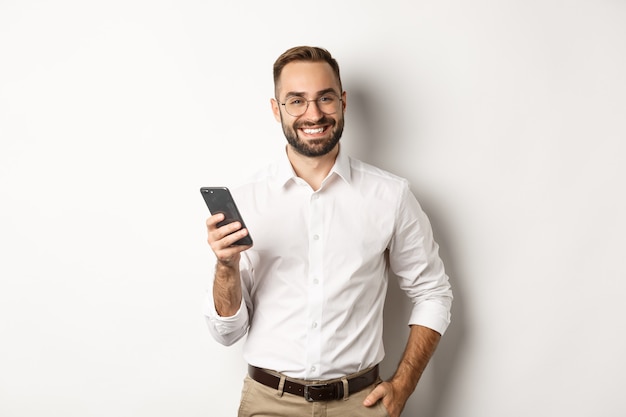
x=316 y=147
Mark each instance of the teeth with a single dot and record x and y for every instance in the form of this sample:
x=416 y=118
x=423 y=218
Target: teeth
x=313 y=131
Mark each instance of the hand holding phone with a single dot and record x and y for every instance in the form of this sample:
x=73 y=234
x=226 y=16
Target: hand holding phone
x=220 y=200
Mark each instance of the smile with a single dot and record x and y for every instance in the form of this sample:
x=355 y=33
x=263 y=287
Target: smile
x=309 y=131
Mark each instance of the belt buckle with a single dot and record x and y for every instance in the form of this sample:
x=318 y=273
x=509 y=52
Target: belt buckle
x=326 y=388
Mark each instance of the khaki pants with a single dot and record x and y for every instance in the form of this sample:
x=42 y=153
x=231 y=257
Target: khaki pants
x=257 y=400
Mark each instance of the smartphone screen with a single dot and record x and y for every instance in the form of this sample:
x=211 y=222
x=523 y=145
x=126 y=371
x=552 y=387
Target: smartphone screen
x=219 y=200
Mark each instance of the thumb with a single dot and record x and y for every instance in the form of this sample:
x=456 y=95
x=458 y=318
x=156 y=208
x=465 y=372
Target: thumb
x=374 y=396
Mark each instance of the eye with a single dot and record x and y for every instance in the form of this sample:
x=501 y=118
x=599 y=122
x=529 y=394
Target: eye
x=296 y=101
x=326 y=99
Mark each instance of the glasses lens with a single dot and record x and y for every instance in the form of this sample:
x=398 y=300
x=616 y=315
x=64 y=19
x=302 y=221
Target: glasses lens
x=296 y=106
x=327 y=104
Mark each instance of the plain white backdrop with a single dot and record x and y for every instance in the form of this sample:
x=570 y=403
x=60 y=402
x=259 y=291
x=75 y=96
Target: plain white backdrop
x=508 y=118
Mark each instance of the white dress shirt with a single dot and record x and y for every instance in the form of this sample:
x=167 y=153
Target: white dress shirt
x=314 y=283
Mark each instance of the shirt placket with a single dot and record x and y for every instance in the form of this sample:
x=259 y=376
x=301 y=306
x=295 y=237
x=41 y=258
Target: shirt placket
x=315 y=285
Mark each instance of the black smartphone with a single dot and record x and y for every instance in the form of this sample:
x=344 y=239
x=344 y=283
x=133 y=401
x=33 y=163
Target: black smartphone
x=220 y=200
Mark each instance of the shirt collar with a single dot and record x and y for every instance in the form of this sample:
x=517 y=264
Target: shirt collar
x=342 y=166
x=284 y=170
x=285 y=173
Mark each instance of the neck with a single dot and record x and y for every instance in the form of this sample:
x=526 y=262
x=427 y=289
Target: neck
x=312 y=169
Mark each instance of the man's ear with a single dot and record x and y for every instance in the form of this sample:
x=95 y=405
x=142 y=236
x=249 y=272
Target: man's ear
x=275 y=109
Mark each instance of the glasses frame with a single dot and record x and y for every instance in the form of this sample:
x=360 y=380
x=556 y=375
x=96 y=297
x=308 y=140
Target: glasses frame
x=308 y=101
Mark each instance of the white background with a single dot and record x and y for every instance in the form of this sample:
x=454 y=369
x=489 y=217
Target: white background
x=508 y=118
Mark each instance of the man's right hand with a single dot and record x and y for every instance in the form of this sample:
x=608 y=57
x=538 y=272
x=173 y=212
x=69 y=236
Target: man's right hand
x=227 y=284
x=221 y=240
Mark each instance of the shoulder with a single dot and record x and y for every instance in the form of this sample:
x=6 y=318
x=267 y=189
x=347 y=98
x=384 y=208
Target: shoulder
x=259 y=180
x=367 y=174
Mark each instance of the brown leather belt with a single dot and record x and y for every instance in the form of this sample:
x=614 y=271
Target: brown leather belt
x=315 y=392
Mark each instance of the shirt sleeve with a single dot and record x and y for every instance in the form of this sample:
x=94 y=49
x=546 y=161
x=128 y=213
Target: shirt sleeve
x=227 y=330
x=414 y=259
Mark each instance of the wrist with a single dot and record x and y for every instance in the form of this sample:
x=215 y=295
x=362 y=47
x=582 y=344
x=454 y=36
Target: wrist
x=228 y=268
x=403 y=386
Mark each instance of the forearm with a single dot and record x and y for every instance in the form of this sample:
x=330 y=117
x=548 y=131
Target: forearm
x=419 y=349
x=395 y=392
x=227 y=289
x=227 y=282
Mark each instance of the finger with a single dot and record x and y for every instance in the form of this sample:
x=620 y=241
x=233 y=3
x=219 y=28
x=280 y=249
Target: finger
x=215 y=235
x=230 y=254
x=224 y=246
x=375 y=396
x=211 y=222
x=229 y=233
x=233 y=237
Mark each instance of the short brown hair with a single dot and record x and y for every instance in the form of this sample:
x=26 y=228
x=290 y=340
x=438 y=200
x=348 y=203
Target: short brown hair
x=305 y=53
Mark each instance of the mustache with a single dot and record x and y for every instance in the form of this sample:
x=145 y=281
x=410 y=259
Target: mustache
x=322 y=121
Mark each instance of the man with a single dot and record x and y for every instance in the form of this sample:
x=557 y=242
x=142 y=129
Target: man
x=309 y=294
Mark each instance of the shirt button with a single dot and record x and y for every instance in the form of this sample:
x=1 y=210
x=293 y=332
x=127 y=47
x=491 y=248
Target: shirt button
x=313 y=368
x=316 y=237
x=314 y=324
x=316 y=281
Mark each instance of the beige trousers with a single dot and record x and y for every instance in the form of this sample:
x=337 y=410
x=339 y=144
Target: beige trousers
x=257 y=400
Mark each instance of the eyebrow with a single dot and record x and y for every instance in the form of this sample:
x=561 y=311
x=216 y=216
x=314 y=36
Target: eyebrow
x=303 y=94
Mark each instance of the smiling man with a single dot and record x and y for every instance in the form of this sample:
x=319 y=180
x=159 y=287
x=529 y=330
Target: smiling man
x=318 y=134
x=310 y=293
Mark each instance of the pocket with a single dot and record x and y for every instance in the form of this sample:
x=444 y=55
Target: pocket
x=245 y=394
x=382 y=409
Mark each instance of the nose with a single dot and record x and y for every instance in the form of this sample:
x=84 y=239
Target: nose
x=313 y=109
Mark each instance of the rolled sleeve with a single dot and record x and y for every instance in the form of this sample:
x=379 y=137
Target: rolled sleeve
x=225 y=330
x=414 y=257
x=431 y=314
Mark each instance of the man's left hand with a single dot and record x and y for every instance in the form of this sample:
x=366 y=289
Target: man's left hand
x=392 y=397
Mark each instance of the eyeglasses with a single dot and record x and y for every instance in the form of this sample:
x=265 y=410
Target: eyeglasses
x=296 y=106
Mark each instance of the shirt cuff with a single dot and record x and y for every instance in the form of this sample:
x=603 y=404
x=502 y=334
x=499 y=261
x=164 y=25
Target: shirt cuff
x=225 y=326
x=431 y=314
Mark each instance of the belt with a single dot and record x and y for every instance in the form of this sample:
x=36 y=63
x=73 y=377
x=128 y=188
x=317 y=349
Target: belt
x=315 y=392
